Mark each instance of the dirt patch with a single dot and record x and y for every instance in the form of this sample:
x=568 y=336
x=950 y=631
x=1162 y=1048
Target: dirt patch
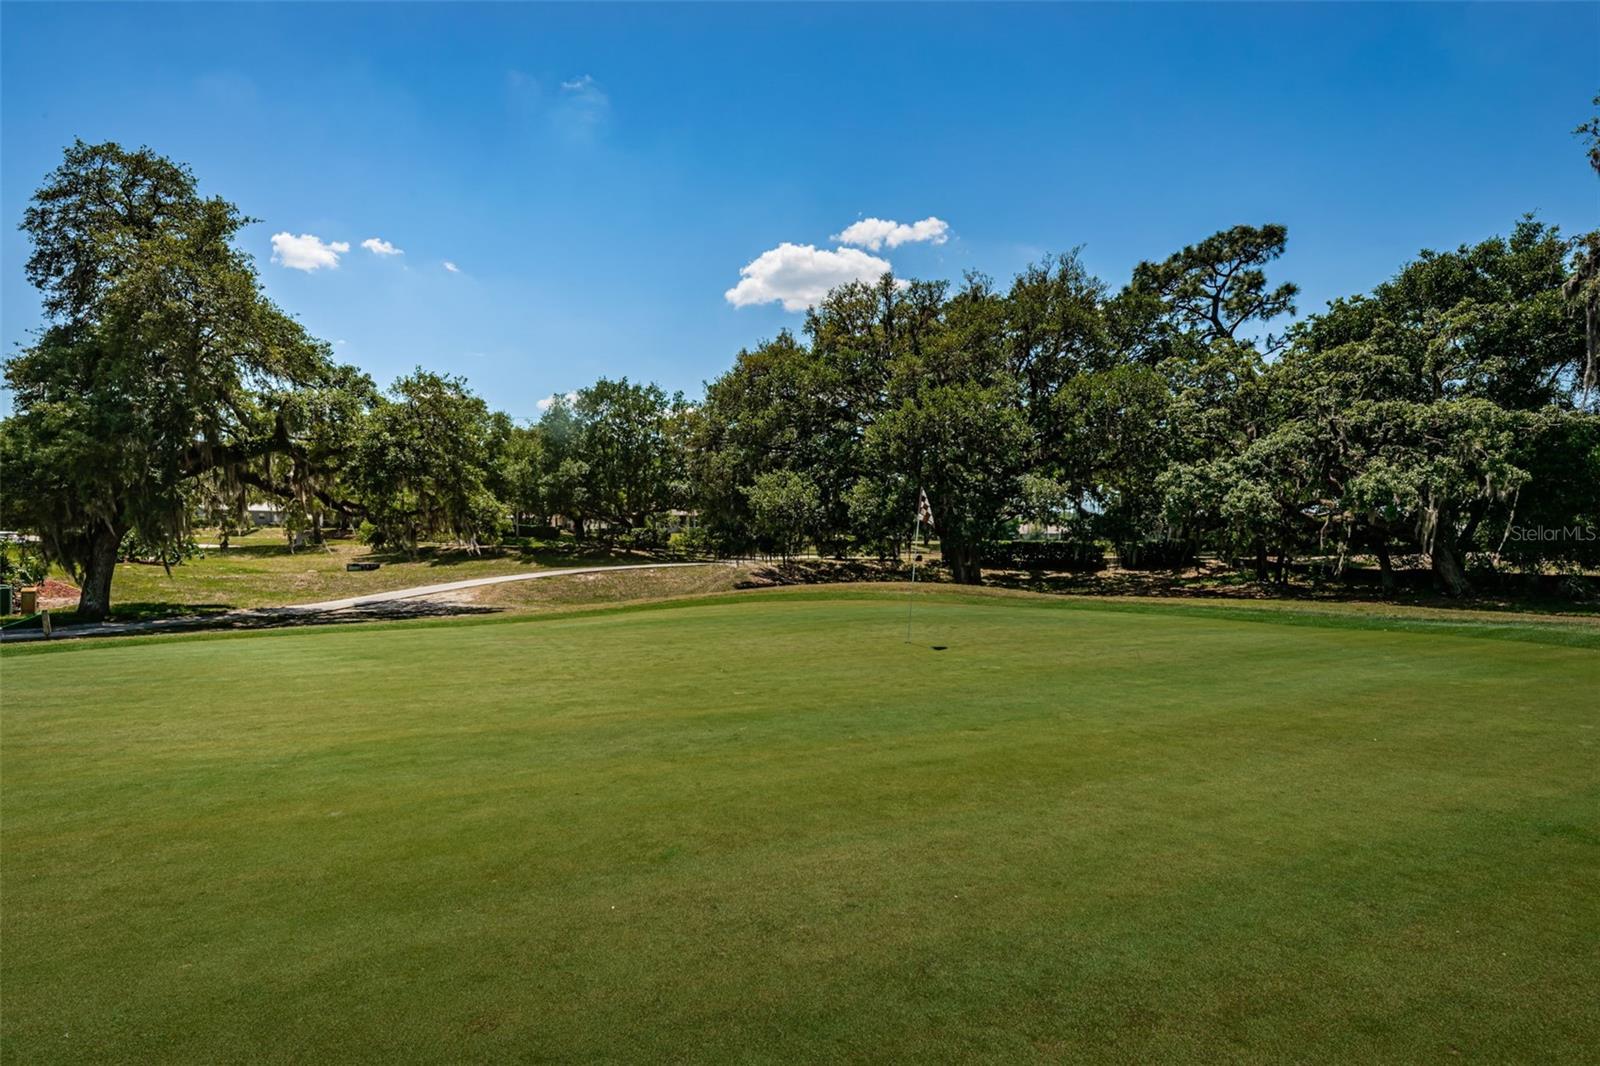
x=57 y=595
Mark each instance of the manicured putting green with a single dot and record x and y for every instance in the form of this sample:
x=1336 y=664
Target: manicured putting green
x=765 y=829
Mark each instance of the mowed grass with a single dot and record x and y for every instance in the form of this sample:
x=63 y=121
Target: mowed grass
x=764 y=828
x=614 y=586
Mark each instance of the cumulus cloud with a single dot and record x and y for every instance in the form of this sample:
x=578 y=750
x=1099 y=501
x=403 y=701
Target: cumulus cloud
x=379 y=246
x=549 y=401
x=307 y=252
x=800 y=275
x=875 y=233
x=451 y=267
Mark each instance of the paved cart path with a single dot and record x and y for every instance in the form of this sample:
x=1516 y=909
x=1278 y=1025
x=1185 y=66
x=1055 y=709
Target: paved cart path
x=267 y=616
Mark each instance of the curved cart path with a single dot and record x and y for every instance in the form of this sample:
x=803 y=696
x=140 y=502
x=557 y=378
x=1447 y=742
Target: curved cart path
x=265 y=616
x=419 y=591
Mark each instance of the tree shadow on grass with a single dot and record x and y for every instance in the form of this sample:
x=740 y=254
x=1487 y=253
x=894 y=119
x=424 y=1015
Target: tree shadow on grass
x=387 y=611
x=252 y=551
x=566 y=556
x=1413 y=587
x=129 y=612
x=1308 y=583
x=190 y=620
x=594 y=553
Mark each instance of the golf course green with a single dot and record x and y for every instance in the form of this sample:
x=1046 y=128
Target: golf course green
x=767 y=828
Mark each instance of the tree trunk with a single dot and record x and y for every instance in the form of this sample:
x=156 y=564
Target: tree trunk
x=1474 y=516
x=1447 y=566
x=1385 y=568
x=962 y=559
x=950 y=553
x=1261 y=561
x=94 y=602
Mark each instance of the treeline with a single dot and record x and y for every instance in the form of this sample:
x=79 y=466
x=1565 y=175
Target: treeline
x=1444 y=414
x=1450 y=414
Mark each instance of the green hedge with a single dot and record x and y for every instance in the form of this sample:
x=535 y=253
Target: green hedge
x=1044 y=555
x=1156 y=555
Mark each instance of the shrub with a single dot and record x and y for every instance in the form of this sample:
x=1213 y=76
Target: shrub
x=1066 y=555
x=689 y=543
x=1156 y=555
x=644 y=537
x=21 y=562
x=531 y=534
x=138 y=549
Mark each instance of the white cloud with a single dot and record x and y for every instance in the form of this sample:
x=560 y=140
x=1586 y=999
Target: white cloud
x=549 y=401
x=307 y=252
x=576 y=110
x=875 y=233
x=582 y=108
x=379 y=246
x=800 y=275
x=451 y=267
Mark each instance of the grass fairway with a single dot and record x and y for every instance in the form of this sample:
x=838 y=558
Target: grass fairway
x=765 y=829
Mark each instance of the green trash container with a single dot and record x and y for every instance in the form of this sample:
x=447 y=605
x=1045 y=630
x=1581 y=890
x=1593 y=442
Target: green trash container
x=5 y=599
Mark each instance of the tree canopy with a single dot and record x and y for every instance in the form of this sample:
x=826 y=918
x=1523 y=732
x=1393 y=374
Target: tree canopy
x=1187 y=411
x=160 y=361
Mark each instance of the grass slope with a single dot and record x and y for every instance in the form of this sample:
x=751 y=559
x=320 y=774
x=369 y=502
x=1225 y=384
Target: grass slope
x=260 y=571
x=612 y=587
x=766 y=829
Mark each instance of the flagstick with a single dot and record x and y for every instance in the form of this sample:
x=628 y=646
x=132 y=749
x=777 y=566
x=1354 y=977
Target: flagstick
x=916 y=532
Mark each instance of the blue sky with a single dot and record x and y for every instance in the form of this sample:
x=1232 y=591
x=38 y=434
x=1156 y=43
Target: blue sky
x=599 y=175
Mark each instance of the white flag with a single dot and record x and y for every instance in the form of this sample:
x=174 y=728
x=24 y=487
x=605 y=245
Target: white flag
x=924 y=512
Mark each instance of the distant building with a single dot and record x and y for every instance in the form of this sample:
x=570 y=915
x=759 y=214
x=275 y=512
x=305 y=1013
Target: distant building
x=266 y=514
x=1038 y=531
